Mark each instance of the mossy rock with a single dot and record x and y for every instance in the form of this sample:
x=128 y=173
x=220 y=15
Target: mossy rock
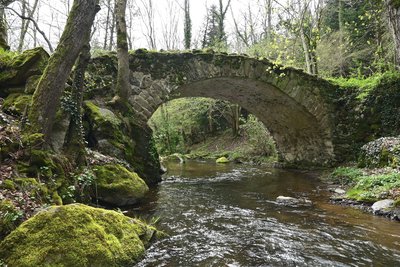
x=118 y=186
x=31 y=84
x=16 y=103
x=21 y=67
x=222 y=160
x=102 y=116
x=77 y=235
x=46 y=165
x=32 y=186
x=107 y=132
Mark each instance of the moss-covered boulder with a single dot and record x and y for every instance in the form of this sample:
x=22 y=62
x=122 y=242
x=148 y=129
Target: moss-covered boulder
x=16 y=104
x=106 y=131
x=15 y=71
x=77 y=235
x=222 y=160
x=118 y=186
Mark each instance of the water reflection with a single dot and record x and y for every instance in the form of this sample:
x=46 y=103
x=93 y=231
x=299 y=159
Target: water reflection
x=226 y=215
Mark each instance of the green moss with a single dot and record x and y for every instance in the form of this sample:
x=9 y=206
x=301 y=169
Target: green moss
x=16 y=103
x=77 y=235
x=16 y=69
x=222 y=160
x=45 y=165
x=118 y=186
x=32 y=140
x=31 y=185
x=8 y=184
x=103 y=116
x=56 y=199
x=103 y=124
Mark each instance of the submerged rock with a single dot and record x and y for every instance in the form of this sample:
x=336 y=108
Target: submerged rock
x=290 y=201
x=118 y=186
x=77 y=235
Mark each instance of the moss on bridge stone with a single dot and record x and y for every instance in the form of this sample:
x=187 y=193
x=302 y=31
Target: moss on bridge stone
x=118 y=186
x=77 y=235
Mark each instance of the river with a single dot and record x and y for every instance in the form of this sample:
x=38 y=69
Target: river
x=226 y=215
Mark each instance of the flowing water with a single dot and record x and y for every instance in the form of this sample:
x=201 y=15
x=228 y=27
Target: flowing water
x=226 y=215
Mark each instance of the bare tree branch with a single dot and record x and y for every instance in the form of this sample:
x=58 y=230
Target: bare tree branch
x=36 y=26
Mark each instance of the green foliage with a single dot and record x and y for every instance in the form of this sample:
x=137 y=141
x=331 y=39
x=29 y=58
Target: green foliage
x=366 y=85
x=10 y=217
x=365 y=187
x=360 y=42
x=77 y=235
x=370 y=188
x=258 y=137
x=191 y=123
x=179 y=123
x=280 y=49
x=345 y=175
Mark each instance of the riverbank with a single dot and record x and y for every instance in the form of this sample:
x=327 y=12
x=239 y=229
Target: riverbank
x=375 y=190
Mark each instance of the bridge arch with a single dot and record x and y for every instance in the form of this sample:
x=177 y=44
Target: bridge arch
x=294 y=106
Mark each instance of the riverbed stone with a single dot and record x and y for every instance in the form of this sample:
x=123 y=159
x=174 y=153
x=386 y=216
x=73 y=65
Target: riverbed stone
x=289 y=201
x=77 y=235
x=339 y=191
x=382 y=206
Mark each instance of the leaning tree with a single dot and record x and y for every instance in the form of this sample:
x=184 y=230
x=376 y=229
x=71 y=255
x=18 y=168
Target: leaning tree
x=47 y=96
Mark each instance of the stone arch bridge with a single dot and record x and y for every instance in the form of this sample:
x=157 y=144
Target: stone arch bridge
x=297 y=108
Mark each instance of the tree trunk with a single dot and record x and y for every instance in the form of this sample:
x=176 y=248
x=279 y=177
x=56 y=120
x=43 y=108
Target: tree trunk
x=123 y=84
x=47 y=97
x=3 y=31
x=74 y=143
x=107 y=24
x=393 y=12
x=235 y=119
x=306 y=50
x=267 y=21
x=188 y=25
x=25 y=23
x=341 y=37
x=3 y=25
x=111 y=43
